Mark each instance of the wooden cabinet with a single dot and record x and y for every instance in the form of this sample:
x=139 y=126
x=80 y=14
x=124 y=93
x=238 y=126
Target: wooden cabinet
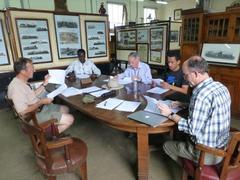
x=222 y=27
x=230 y=77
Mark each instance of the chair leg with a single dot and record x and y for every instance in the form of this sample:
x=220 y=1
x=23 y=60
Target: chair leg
x=51 y=177
x=184 y=175
x=83 y=171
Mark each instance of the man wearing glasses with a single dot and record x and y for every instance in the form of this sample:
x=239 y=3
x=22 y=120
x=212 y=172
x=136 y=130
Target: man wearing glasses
x=208 y=122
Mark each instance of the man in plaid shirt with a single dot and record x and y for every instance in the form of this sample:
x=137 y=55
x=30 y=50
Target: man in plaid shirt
x=208 y=122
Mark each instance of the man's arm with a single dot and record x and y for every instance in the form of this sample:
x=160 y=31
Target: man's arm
x=70 y=68
x=35 y=106
x=96 y=70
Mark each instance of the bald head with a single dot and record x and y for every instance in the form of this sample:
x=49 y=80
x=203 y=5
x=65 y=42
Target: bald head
x=196 y=63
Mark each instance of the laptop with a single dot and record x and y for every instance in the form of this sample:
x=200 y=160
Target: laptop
x=148 y=118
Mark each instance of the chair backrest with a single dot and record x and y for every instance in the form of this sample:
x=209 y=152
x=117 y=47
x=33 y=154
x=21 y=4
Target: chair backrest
x=10 y=103
x=232 y=158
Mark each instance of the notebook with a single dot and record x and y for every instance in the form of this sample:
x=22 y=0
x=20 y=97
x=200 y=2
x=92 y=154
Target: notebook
x=148 y=118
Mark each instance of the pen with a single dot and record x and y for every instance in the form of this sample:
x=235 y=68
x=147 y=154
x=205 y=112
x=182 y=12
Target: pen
x=105 y=103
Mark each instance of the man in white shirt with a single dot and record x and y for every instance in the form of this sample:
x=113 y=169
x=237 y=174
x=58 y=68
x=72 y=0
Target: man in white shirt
x=137 y=70
x=83 y=68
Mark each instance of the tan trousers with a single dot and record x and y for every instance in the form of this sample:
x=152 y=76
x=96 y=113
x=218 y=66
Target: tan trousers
x=176 y=149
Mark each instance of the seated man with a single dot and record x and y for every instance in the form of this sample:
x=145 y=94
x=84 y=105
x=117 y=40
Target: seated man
x=137 y=70
x=209 y=117
x=83 y=68
x=26 y=100
x=173 y=78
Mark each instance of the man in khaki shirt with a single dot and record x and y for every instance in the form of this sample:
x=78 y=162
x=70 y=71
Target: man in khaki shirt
x=26 y=100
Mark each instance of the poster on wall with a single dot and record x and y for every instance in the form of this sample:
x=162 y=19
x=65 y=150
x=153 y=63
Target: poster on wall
x=33 y=35
x=142 y=35
x=126 y=40
x=143 y=51
x=68 y=35
x=96 y=39
x=156 y=38
x=155 y=56
x=4 y=59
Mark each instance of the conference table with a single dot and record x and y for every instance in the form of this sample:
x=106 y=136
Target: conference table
x=118 y=120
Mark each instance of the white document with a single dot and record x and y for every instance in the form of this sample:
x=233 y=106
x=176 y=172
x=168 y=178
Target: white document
x=109 y=103
x=72 y=91
x=125 y=80
x=83 y=76
x=157 y=90
x=128 y=106
x=57 y=91
x=158 y=81
x=57 y=76
x=152 y=105
x=99 y=93
x=90 y=89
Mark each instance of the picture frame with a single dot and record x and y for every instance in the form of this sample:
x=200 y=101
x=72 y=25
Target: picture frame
x=68 y=35
x=143 y=51
x=126 y=39
x=33 y=36
x=96 y=39
x=156 y=38
x=142 y=35
x=174 y=36
x=221 y=53
x=4 y=57
x=177 y=14
x=155 y=56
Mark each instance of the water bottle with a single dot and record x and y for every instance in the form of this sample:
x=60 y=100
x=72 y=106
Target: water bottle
x=135 y=85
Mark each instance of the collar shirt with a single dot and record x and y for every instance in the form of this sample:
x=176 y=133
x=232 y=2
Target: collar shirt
x=209 y=114
x=143 y=72
x=83 y=69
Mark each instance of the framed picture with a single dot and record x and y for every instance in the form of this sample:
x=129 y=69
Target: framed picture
x=221 y=53
x=142 y=35
x=96 y=39
x=174 y=36
x=156 y=38
x=33 y=35
x=4 y=58
x=143 y=51
x=155 y=56
x=126 y=39
x=68 y=35
x=177 y=14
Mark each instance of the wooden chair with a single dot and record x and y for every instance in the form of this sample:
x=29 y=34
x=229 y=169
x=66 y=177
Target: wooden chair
x=228 y=169
x=58 y=155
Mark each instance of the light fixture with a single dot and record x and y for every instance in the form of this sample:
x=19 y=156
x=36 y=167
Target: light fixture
x=161 y=2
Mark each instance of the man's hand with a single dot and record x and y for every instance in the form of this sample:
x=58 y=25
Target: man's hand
x=164 y=109
x=165 y=85
x=93 y=76
x=136 y=78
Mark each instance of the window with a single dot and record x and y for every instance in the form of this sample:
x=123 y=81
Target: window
x=149 y=14
x=115 y=14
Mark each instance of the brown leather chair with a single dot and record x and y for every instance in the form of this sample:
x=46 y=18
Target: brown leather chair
x=228 y=169
x=58 y=155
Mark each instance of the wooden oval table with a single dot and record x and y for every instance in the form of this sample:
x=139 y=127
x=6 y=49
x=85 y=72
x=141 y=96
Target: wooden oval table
x=118 y=120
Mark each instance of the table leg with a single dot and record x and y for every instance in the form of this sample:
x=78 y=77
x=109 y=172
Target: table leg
x=142 y=153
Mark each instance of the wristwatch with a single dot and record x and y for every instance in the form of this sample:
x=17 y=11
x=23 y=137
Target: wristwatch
x=170 y=116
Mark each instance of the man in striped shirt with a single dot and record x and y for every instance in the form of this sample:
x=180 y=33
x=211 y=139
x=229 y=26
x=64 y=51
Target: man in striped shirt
x=208 y=122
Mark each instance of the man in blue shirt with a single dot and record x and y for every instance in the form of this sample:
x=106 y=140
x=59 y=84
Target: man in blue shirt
x=209 y=117
x=137 y=70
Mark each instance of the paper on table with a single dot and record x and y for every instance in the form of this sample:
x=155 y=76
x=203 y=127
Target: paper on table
x=152 y=105
x=90 y=89
x=99 y=93
x=109 y=103
x=57 y=91
x=128 y=106
x=157 y=90
x=72 y=91
x=57 y=76
x=125 y=80
x=157 y=81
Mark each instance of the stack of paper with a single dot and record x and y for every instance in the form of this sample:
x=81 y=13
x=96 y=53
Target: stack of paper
x=90 y=89
x=157 y=90
x=57 y=91
x=99 y=93
x=57 y=76
x=128 y=106
x=109 y=103
x=72 y=91
x=157 y=81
